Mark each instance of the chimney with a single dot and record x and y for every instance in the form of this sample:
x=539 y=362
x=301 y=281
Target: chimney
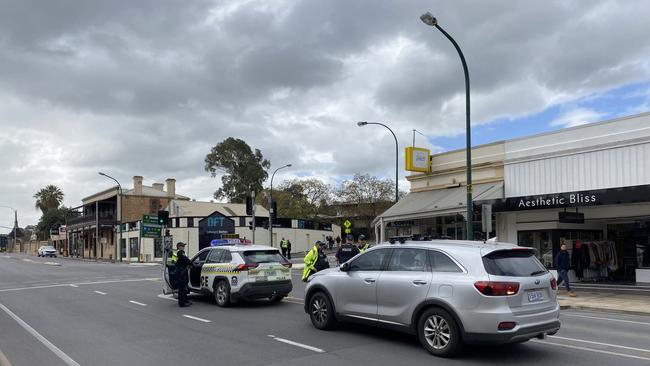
x=158 y=186
x=171 y=187
x=137 y=185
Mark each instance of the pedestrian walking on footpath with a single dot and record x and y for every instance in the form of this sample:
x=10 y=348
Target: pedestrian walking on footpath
x=314 y=260
x=182 y=265
x=562 y=264
x=347 y=250
x=288 y=249
x=338 y=241
x=283 y=246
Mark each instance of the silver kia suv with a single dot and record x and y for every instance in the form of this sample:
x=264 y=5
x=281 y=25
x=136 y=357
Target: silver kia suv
x=446 y=292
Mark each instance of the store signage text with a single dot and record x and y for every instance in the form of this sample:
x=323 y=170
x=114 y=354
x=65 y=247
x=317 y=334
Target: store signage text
x=571 y=199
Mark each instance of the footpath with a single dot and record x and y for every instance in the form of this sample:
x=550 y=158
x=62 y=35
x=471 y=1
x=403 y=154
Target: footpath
x=606 y=301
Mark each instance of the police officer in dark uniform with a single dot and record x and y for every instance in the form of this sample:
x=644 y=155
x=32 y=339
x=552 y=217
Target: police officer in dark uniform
x=347 y=250
x=182 y=265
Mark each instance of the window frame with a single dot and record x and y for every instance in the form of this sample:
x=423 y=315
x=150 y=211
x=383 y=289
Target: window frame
x=396 y=252
x=451 y=258
x=389 y=253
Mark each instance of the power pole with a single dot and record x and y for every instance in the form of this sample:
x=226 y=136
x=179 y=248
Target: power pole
x=253 y=207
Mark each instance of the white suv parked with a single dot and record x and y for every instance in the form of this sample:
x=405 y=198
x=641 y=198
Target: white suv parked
x=446 y=292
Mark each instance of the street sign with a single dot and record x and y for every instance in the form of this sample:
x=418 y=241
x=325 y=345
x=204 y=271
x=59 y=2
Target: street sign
x=347 y=223
x=348 y=231
x=151 y=231
x=149 y=220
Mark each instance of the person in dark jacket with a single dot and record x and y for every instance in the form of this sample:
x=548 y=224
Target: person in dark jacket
x=182 y=265
x=562 y=265
x=347 y=250
x=321 y=262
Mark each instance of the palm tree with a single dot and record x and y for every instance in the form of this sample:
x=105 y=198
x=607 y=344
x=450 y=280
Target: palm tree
x=48 y=198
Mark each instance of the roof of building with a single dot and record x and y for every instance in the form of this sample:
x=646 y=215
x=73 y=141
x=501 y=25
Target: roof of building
x=182 y=208
x=147 y=191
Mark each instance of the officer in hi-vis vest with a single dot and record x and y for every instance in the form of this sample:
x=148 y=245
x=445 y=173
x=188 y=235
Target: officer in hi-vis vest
x=284 y=245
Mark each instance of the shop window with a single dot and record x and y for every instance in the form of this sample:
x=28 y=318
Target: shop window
x=157 y=247
x=133 y=246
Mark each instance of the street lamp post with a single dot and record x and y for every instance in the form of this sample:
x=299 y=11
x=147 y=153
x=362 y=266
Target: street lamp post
x=15 y=223
x=430 y=20
x=271 y=204
x=360 y=124
x=119 y=186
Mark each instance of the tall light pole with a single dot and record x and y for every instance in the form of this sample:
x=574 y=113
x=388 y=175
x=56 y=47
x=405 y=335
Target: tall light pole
x=361 y=124
x=271 y=204
x=15 y=223
x=119 y=186
x=430 y=20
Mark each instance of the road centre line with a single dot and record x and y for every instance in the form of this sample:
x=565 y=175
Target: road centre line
x=137 y=303
x=73 y=285
x=99 y=292
x=590 y=350
x=167 y=297
x=609 y=319
x=196 y=318
x=601 y=344
x=76 y=283
x=301 y=345
x=64 y=357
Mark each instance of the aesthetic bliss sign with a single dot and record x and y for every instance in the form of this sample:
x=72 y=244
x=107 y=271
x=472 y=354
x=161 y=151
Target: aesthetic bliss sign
x=609 y=196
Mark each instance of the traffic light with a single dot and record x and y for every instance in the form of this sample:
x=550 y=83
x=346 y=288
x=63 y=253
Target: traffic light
x=249 y=205
x=163 y=218
x=274 y=209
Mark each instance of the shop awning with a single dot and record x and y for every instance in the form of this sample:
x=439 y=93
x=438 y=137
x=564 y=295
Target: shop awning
x=440 y=202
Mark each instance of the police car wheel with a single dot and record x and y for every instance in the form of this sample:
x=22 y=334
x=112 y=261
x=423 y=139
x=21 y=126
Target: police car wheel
x=321 y=311
x=222 y=294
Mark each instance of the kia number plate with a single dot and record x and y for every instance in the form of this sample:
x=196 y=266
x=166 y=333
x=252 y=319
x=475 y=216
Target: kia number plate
x=534 y=296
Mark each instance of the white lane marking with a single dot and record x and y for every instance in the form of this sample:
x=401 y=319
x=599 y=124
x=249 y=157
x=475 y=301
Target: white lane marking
x=77 y=283
x=65 y=358
x=601 y=344
x=6 y=256
x=167 y=297
x=609 y=319
x=27 y=260
x=3 y=359
x=52 y=264
x=199 y=319
x=99 y=292
x=301 y=345
x=73 y=285
x=591 y=350
x=137 y=303
x=293 y=302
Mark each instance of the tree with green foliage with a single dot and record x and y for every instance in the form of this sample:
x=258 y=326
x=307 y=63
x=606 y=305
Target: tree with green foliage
x=243 y=170
x=365 y=197
x=51 y=219
x=48 y=198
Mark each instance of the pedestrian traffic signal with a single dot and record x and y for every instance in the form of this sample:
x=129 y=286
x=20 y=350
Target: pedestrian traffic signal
x=249 y=205
x=274 y=210
x=163 y=218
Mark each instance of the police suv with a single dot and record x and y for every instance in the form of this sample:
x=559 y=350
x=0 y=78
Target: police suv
x=230 y=271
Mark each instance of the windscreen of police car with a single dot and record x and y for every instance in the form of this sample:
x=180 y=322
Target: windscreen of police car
x=270 y=265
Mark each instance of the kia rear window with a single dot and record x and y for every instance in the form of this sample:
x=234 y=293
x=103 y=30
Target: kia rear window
x=263 y=256
x=513 y=263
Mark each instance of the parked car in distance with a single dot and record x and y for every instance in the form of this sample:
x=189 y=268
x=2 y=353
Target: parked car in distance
x=448 y=293
x=47 y=251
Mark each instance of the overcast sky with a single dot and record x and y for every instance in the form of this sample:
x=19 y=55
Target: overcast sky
x=147 y=87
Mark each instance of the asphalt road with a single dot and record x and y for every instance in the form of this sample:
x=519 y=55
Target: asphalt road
x=90 y=313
